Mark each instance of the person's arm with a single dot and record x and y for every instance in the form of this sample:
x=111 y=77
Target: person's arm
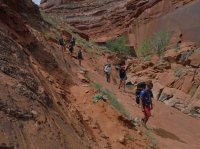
x=128 y=67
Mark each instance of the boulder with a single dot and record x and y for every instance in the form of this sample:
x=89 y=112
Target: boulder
x=187 y=83
x=170 y=55
x=157 y=89
x=195 y=59
x=183 y=58
x=166 y=94
x=161 y=65
x=178 y=95
x=166 y=79
x=171 y=102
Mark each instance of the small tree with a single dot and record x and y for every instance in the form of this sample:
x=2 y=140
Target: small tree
x=160 y=41
x=119 y=45
x=154 y=44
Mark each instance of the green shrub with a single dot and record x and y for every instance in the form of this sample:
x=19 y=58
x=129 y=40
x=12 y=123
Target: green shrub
x=119 y=45
x=156 y=44
x=180 y=72
x=160 y=41
x=96 y=86
x=103 y=92
x=146 y=48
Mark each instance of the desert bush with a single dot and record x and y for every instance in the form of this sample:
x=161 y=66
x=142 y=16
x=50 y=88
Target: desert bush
x=119 y=45
x=103 y=92
x=156 y=44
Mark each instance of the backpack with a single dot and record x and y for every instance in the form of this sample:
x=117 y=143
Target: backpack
x=107 y=69
x=140 y=87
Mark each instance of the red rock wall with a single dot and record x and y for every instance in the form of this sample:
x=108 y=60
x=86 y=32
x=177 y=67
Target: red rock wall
x=106 y=19
x=180 y=19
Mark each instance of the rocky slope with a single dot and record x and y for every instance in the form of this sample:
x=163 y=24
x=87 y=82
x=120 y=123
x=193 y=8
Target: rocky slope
x=106 y=19
x=176 y=77
x=35 y=108
x=42 y=102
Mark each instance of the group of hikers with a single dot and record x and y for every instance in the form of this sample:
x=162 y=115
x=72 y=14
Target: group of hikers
x=144 y=89
x=71 y=47
x=143 y=92
x=122 y=73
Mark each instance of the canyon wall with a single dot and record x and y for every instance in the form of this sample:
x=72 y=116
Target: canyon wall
x=107 y=19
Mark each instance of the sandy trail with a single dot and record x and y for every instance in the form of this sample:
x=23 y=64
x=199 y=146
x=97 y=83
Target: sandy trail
x=171 y=128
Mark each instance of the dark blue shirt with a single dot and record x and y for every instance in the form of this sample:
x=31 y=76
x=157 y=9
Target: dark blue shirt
x=146 y=96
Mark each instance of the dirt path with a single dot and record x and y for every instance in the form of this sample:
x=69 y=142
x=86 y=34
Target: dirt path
x=171 y=128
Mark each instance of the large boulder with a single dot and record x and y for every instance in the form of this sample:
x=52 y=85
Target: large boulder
x=195 y=59
x=187 y=84
x=168 y=93
x=170 y=55
x=157 y=89
x=167 y=79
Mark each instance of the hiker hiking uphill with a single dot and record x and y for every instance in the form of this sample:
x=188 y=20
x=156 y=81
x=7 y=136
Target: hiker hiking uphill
x=79 y=56
x=108 y=70
x=62 y=42
x=71 y=45
x=122 y=75
x=73 y=41
x=146 y=101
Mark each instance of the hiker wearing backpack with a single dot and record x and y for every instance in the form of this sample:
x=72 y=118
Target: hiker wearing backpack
x=73 y=41
x=108 y=70
x=71 y=49
x=79 y=56
x=62 y=42
x=146 y=101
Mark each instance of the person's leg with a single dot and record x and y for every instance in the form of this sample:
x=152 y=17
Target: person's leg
x=108 y=78
x=124 y=84
x=146 y=119
x=147 y=113
x=79 y=62
x=120 y=84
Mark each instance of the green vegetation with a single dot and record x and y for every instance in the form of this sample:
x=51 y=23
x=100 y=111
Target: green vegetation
x=119 y=45
x=96 y=86
x=151 y=138
x=193 y=90
x=180 y=72
x=106 y=94
x=156 y=44
x=130 y=138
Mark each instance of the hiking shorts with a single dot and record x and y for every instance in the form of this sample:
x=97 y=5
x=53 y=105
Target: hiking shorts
x=123 y=78
x=79 y=57
x=147 y=111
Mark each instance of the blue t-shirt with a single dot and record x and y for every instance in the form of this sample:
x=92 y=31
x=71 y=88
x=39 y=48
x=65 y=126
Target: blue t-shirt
x=146 y=96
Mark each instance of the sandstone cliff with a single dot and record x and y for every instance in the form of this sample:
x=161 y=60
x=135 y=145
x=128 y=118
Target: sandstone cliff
x=30 y=104
x=106 y=19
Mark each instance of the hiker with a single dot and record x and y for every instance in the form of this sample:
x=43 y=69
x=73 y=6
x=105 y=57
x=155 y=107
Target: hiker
x=108 y=70
x=71 y=49
x=146 y=101
x=122 y=75
x=73 y=41
x=79 y=56
x=62 y=42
